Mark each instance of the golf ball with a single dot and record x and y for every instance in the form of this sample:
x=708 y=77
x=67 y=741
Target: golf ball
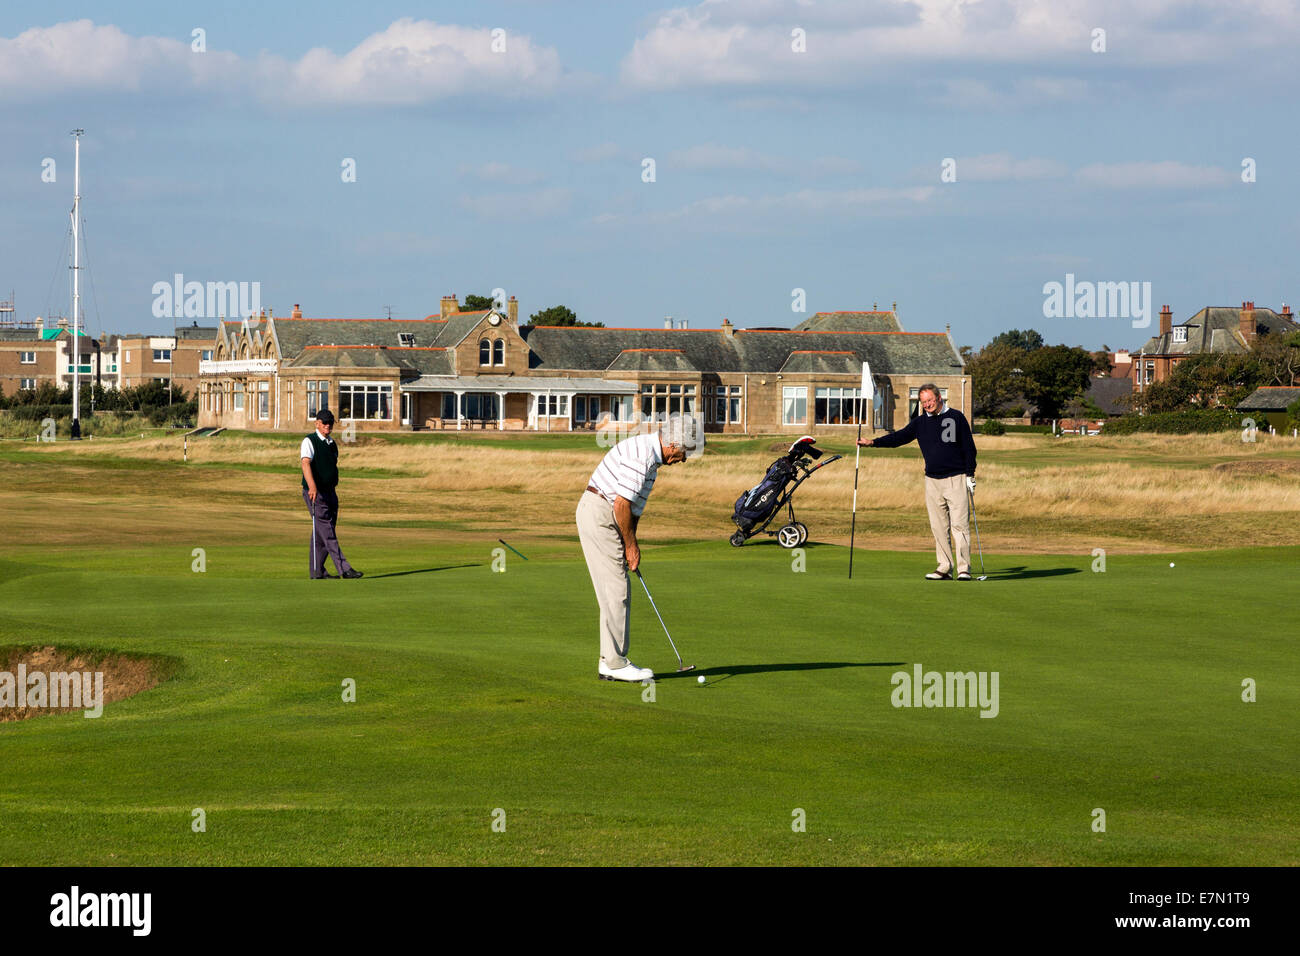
x=700 y=679
x=1171 y=564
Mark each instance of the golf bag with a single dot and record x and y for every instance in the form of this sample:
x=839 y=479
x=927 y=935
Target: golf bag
x=757 y=504
x=757 y=507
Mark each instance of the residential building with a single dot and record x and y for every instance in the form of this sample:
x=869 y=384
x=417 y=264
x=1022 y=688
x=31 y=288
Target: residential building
x=1212 y=329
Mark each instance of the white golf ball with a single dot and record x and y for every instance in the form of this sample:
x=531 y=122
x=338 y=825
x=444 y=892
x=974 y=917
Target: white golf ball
x=700 y=679
x=1171 y=564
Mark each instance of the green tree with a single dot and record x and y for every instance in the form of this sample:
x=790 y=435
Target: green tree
x=1278 y=357
x=1055 y=375
x=478 y=303
x=561 y=315
x=995 y=374
x=1028 y=340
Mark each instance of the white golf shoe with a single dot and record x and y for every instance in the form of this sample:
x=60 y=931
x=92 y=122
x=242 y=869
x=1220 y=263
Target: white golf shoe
x=628 y=672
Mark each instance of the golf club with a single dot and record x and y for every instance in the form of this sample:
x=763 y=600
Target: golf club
x=680 y=666
x=971 y=498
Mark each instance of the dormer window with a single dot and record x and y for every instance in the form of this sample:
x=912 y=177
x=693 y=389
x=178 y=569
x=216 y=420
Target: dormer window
x=499 y=352
x=1180 y=333
x=407 y=339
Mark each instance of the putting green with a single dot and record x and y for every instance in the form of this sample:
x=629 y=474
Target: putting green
x=477 y=703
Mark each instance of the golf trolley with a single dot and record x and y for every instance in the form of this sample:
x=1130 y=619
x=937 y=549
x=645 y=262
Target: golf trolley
x=758 y=507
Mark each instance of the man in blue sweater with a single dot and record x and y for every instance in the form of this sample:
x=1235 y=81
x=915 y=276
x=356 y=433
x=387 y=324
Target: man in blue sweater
x=949 y=451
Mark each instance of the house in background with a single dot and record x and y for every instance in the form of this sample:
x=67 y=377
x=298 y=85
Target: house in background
x=167 y=359
x=1212 y=329
x=482 y=369
x=1269 y=403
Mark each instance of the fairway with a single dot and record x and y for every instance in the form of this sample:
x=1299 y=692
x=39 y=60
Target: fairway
x=477 y=700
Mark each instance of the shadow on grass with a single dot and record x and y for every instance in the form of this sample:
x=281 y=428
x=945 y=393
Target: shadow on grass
x=445 y=567
x=714 y=675
x=1016 y=574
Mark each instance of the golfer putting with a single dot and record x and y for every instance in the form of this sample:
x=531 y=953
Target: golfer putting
x=948 y=448
x=608 y=515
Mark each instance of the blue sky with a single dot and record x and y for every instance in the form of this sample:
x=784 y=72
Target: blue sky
x=775 y=169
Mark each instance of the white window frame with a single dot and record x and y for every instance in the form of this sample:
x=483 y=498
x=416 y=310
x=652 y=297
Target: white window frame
x=379 y=388
x=850 y=395
x=797 y=394
x=206 y=355
x=263 y=400
x=28 y=384
x=162 y=355
x=26 y=358
x=1180 y=333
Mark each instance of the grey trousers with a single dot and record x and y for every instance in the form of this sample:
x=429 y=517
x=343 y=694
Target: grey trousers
x=602 y=546
x=324 y=515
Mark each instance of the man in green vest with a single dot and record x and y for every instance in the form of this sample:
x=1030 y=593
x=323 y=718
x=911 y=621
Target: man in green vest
x=320 y=476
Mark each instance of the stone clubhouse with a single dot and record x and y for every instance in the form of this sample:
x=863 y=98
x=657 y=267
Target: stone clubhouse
x=482 y=370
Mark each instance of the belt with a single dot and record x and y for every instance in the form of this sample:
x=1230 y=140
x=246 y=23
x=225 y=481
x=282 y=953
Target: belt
x=595 y=491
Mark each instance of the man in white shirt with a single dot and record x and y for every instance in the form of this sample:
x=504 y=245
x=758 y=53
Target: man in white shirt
x=320 y=476
x=608 y=515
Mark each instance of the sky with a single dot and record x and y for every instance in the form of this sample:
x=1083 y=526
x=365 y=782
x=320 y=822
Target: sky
x=953 y=156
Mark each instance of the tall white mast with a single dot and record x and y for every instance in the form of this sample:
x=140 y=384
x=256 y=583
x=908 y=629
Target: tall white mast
x=76 y=284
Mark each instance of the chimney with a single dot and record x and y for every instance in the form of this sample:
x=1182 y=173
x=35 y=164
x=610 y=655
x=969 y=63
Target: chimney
x=40 y=324
x=450 y=305
x=297 y=311
x=684 y=324
x=1248 y=321
x=1286 y=310
x=728 y=329
x=512 y=311
x=668 y=321
x=1166 y=319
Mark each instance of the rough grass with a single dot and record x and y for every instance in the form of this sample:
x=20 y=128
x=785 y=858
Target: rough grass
x=1036 y=493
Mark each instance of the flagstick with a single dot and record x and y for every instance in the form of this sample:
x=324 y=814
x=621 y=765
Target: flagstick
x=853 y=525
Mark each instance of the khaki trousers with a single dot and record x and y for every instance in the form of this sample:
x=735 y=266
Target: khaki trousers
x=602 y=546
x=945 y=499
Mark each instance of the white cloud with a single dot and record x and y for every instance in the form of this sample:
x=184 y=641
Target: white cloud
x=799 y=203
x=514 y=207
x=1162 y=175
x=747 y=43
x=408 y=63
x=81 y=55
x=1003 y=167
x=711 y=156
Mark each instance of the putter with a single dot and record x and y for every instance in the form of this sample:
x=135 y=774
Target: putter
x=681 y=668
x=971 y=498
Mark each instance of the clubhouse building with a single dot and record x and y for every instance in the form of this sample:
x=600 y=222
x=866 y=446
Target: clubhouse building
x=482 y=370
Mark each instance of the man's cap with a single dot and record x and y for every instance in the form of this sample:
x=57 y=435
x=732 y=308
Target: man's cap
x=325 y=417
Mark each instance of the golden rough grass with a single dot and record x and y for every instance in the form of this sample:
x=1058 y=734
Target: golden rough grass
x=1131 y=493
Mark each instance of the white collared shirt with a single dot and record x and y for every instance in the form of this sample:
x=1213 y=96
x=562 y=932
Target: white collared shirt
x=628 y=470
x=308 y=450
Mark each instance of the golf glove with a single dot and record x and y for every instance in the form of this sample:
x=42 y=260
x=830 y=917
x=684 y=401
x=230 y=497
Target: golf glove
x=970 y=483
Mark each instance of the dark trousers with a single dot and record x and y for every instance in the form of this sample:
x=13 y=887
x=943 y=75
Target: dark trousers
x=324 y=515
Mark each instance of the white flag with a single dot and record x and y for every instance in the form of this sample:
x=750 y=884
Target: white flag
x=868 y=385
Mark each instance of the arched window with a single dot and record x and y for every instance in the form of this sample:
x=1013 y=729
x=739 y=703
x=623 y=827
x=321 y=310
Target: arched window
x=499 y=352
x=485 y=352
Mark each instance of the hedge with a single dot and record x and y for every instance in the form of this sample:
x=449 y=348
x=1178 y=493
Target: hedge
x=1187 y=422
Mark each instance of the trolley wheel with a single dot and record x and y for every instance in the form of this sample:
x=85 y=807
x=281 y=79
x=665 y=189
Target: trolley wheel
x=789 y=536
x=737 y=539
x=803 y=531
